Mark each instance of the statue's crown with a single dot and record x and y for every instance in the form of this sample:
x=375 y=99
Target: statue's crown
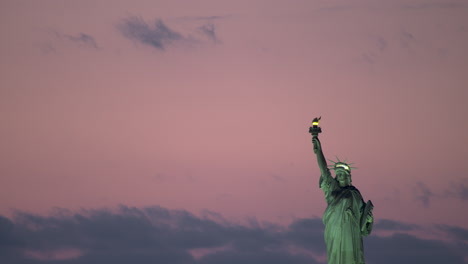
x=341 y=165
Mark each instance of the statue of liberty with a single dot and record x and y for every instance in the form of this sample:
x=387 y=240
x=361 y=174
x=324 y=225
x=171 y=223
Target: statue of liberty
x=347 y=217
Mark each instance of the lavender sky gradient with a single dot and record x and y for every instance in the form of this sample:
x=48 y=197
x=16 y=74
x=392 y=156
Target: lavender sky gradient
x=210 y=110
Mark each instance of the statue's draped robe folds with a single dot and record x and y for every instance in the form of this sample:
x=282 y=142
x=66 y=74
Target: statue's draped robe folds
x=342 y=220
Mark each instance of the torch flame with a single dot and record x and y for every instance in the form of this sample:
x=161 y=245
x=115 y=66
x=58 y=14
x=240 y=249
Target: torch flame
x=316 y=120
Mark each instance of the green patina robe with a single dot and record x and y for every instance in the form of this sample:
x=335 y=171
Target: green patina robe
x=342 y=220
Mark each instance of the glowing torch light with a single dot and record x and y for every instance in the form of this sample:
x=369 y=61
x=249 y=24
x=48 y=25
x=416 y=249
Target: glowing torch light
x=315 y=129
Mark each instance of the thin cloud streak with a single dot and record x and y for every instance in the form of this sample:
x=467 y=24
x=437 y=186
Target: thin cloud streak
x=81 y=39
x=437 y=5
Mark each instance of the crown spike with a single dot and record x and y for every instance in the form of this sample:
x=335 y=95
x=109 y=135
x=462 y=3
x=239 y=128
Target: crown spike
x=338 y=159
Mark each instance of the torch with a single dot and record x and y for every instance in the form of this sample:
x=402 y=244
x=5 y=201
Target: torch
x=314 y=130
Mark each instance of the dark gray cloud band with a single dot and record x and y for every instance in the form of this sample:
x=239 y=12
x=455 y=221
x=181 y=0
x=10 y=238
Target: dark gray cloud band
x=159 y=235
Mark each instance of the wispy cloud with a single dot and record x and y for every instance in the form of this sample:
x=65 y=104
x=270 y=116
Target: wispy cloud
x=159 y=235
x=157 y=34
x=47 y=48
x=278 y=178
x=436 y=5
x=369 y=57
x=208 y=18
x=80 y=39
x=423 y=194
x=337 y=8
x=378 y=45
x=406 y=39
x=209 y=31
x=381 y=43
x=458 y=190
x=462 y=192
x=390 y=225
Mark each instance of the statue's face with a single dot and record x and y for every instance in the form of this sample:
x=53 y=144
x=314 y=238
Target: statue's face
x=343 y=179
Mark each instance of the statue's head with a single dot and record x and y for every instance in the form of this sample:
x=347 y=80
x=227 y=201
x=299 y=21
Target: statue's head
x=343 y=177
x=343 y=172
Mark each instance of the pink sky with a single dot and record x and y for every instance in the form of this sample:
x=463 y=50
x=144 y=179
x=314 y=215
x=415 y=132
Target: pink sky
x=93 y=118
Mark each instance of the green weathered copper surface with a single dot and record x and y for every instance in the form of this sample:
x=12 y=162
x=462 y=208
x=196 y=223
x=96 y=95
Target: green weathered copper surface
x=347 y=217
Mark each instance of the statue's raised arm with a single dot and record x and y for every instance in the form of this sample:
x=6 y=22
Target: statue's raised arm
x=320 y=157
x=326 y=182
